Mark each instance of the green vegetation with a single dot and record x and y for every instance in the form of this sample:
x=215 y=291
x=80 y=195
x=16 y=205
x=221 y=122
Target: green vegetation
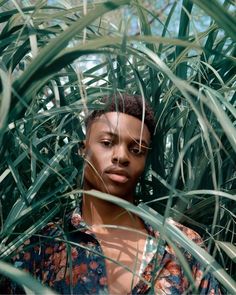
x=56 y=60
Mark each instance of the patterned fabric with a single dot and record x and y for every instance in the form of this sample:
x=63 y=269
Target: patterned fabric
x=74 y=263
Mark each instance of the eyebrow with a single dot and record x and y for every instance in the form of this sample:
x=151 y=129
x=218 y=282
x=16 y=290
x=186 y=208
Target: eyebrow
x=136 y=140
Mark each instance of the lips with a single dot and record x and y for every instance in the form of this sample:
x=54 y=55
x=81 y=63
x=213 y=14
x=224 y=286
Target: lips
x=117 y=175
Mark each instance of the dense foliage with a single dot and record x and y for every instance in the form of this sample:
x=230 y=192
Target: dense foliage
x=55 y=61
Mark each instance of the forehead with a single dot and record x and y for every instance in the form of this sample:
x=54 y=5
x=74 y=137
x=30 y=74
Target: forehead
x=119 y=124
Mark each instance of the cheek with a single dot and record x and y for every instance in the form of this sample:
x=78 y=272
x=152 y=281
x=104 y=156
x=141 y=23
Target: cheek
x=97 y=159
x=92 y=169
x=139 y=168
x=143 y=163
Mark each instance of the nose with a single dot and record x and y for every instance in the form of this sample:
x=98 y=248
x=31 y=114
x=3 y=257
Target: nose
x=120 y=155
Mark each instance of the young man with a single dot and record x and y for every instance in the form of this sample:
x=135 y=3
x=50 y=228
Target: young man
x=106 y=249
x=115 y=150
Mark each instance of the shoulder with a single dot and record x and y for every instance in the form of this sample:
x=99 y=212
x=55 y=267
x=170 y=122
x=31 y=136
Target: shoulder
x=32 y=248
x=203 y=280
x=190 y=233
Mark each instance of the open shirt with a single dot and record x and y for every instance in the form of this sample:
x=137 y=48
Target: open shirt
x=71 y=261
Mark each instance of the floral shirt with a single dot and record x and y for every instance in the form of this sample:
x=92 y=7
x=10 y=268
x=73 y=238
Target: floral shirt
x=71 y=261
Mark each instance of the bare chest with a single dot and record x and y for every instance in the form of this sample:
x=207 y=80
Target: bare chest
x=124 y=252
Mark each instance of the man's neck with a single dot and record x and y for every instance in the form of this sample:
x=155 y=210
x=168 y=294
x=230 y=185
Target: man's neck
x=100 y=212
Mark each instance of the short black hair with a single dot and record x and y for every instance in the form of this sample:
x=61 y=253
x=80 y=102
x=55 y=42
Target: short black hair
x=132 y=105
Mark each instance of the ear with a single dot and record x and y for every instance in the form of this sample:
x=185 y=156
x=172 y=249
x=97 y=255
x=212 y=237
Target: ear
x=81 y=148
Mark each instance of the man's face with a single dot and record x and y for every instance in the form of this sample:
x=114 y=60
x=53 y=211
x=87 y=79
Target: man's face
x=115 y=154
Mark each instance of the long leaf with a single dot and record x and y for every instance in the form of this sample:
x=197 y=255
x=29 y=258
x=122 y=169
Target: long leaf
x=24 y=279
x=222 y=17
x=60 y=42
x=229 y=249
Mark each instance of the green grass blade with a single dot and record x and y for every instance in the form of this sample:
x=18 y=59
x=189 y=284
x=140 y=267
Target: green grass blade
x=5 y=99
x=40 y=180
x=61 y=41
x=223 y=18
x=24 y=279
x=229 y=249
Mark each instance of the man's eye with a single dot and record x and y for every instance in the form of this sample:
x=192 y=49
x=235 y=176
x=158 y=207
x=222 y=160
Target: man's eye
x=137 y=151
x=106 y=143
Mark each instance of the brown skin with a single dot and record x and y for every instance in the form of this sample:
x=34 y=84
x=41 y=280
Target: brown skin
x=113 y=149
x=114 y=161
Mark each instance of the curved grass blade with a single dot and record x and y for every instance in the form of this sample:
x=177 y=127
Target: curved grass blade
x=41 y=178
x=229 y=249
x=5 y=100
x=24 y=279
x=61 y=41
x=6 y=250
x=223 y=18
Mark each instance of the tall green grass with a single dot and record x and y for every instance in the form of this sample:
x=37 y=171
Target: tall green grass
x=55 y=61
